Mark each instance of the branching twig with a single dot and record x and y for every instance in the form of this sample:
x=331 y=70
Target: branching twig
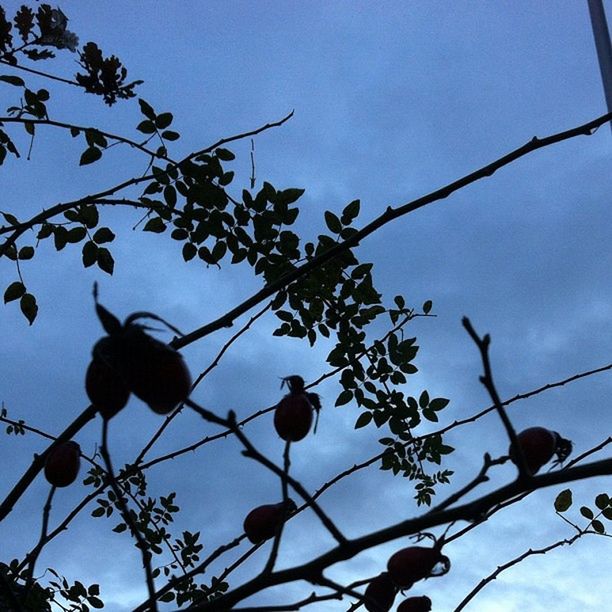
x=540 y=551
x=487 y=381
x=33 y=556
x=127 y=517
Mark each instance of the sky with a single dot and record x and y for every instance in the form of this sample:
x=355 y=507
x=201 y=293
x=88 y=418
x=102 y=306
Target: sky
x=392 y=100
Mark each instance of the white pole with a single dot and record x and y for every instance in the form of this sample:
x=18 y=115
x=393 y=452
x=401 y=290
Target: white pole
x=603 y=46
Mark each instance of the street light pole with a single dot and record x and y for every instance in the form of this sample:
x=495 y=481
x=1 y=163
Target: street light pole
x=603 y=46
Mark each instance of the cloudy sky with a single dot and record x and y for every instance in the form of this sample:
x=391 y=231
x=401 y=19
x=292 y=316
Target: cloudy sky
x=392 y=100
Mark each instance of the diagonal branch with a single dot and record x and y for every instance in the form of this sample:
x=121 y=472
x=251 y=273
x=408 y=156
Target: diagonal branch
x=389 y=215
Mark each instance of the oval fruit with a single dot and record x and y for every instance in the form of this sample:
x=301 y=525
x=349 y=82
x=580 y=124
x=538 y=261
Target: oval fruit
x=62 y=464
x=155 y=372
x=414 y=563
x=380 y=593
x=415 y=604
x=262 y=522
x=105 y=388
x=293 y=417
x=538 y=445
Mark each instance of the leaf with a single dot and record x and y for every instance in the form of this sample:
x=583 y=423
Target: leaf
x=90 y=155
x=363 y=420
x=170 y=195
x=439 y=403
x=563 y=501
x=424 y=399
x=288 y=196
x=104 y=234
x=602 y=501
x=224 y=154
x=76 y=234
x=189 y=251
x=94 y=602
x=427 y=306
x=105 y=260
x=163 y=121
x=332 y=222
x=146 y=127
x=146 y=109
x=10 y=218
x=170 y=135
x=14 y=291
x=350 y=212
x=12 y=80
x=90 y=253
x=586 y=512
x=155 y=225
x=344 y=398
x=598 y=526
x=26 y=252
x=29 y=307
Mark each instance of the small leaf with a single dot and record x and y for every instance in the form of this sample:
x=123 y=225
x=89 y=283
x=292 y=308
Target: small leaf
x=146 y=127
x=598 y=526
x=26 y=252
x=90 y=155
x=602 y=501
x=105 y=260
x=155 y=225
x=94 y=602
x=163 y=120
x=14 y=291
x=427 y=306
x=170 y=195
x=332 y=222
x=189 y=251
x=224 y=154
x=345 y=397
x=363 y=420
x=29 y=307
x=170 y=135
x=563 y=501
x=90 y=253
x=12 y=80
x=76 y=234
x=146 y=109
x=350 y=212
x=104 y=234
x=10 y=218
x=439 y=403
x=586 y=512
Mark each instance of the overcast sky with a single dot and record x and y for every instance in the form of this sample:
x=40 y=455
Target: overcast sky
x=392 y=100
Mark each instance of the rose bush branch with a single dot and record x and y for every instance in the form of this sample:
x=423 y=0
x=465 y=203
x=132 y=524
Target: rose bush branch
x=469 y=512
x=391 y=214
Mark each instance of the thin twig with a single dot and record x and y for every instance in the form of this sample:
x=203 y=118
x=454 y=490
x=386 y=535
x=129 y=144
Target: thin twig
x=493 y=575
x=127 y=517
x=285 y=493
x=33 y=556
x=487 y=380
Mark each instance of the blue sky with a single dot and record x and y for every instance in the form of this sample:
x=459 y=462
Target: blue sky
x=392 y=100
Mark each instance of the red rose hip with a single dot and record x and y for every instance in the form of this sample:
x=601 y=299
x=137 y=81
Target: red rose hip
x=105 y=388
x=539 y=446
x=414 y=563
x=293 y=417
x=380 y=593
x=415 y=604
x=62 y=464
x=262 y=522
